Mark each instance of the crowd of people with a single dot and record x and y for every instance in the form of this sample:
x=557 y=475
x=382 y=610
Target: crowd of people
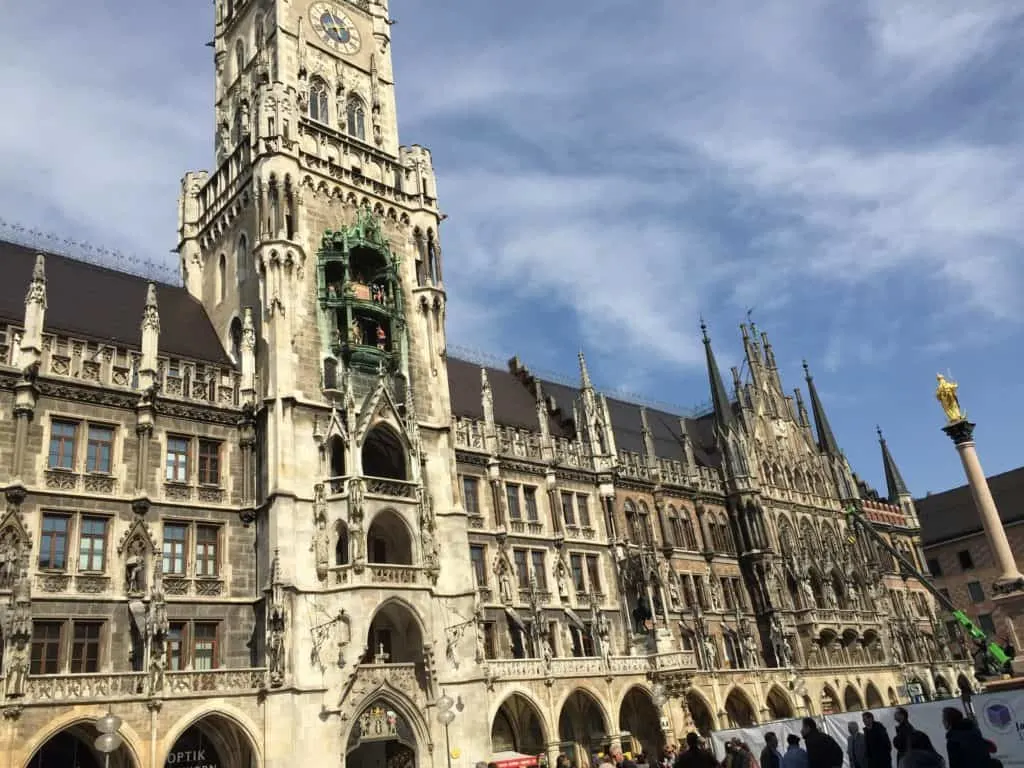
x=908 y=747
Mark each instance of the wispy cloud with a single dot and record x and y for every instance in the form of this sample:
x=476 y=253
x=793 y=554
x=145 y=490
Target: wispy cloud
x=613 y=170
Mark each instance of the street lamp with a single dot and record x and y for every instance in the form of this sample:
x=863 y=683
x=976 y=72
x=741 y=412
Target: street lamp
x=445 y=716
x=109 y=739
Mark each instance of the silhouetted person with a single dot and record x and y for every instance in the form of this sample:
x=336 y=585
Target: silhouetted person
x=770 y=755
x=822 y=750
x=901 y=739
x=965 y=746
x=796 y=756
x=876 y=743
x=920 y=753
x=695 y=756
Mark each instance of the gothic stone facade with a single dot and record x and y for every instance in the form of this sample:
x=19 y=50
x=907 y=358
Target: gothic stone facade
x=268 y=510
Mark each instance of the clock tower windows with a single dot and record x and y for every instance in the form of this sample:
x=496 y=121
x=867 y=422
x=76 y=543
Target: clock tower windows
x=318 y=100
x=355 y=118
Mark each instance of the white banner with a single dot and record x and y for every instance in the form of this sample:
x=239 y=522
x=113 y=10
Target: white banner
x=1001 y=719
x=925 y=717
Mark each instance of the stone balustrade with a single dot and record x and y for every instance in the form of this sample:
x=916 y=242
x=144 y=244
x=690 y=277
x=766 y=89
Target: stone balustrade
x=104 y=686
x=583 y=666
x=372 y=574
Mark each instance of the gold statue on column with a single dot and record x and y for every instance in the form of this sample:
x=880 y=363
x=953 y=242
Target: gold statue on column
x=945 y=393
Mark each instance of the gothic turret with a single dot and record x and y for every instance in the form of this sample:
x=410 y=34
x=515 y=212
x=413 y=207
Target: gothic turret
x=35 y=314
x=896 y=488
x=148 y=366
x=595 y=421
x=726 y=425
x=845 y=485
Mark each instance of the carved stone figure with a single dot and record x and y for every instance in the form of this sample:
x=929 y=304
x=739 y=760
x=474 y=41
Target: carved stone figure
x=321 y=548
x=501 y=570
x=133 y=575
x=674 y=597
x=17 y=669
x=808 y=592
x=562 y=579
x=545 y=651
x=604 y=635
x=10 y=557
x=830 y=595
x=711 y=652
x=355 y=499
x=946 y=394
x=714 y=591
x=854 y=595
x=750 y=655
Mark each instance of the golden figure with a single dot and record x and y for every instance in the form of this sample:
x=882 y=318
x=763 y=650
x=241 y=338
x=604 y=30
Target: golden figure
x=945 y=393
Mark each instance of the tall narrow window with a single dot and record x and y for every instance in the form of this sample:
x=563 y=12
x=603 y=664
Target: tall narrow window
x=579 y=580
x=530 y=497
x=583 y=508
x=477 y=556
x=46 y=636
x=512 y=497
x=92 y=544
x=176 y=634
x=85 y=651
x=239 y=58
x=471 y=495
x=568 y=513
x=355 y=117
x=222 y=277
x=522 y=567
x=594 y=573
x=177 y=460
x=207 y=538
x=62 y=444
x=318 y=100
x=175 y=535
x=53 y=543
x=540 y=573
x=99 y=449
x=209 y=462
x=204 y=646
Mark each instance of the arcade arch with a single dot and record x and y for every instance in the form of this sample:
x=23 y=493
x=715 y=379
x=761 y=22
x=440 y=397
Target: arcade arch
x=72 y=745
x=700 y=713
x=830 y=701
x=388 y=539
x=852 y=702
x=518 y=727
x=777 y=702
x=395 y=636
x=872 y=697
x=384 y=454
x=640 y=717
x=213 y=739
x=582 y=722
x=739 y=709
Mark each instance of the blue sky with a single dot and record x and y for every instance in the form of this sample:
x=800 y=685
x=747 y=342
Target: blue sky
x=613 y=170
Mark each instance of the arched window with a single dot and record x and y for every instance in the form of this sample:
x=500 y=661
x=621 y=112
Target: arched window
x=236 y=340
x=222 y=276
x=318 y=100
x=355 y=118
x=239 y=58
x=242 y=256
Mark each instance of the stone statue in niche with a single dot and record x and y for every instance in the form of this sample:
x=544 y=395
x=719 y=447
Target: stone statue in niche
x=714 y=591
x=17 y=669
x=808 y=592
x=674 y=597
x=562 y=578
x=501 y=570
x=10 y=557
x=830 y=595
x=604 y=634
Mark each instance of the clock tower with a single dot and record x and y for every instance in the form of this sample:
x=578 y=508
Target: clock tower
x=314 y=247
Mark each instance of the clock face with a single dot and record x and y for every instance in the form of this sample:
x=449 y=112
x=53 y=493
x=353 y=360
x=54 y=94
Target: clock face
x=334 y=27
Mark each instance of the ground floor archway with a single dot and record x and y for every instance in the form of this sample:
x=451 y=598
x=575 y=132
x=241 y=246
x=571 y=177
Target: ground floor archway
x=582 y=722
x=72 y=747
x=740 y=710
x=639 y=717
x=381 y=738
x=851 y=699
x=873 y=697
x=213 y=739
x=700 y=713
x=517 y=727
x=778 y=704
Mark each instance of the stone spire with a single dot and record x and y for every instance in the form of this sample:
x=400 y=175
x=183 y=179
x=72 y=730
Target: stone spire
x=826 y=439
x=248 y=349
x=724 y=418
x=585 y=382
x=35 y=315
x=894 y=483
x=148 y=366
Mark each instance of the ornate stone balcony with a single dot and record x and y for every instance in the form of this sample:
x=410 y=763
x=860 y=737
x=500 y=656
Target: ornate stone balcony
x=48 y=689
x=380 y=574
x=580 y=666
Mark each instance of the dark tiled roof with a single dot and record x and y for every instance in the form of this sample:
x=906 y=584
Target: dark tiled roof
x=99 y=304
x=951 y=514
x=514 y=406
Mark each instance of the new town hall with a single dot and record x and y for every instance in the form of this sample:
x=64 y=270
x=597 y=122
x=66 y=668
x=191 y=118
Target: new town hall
x=264 y=515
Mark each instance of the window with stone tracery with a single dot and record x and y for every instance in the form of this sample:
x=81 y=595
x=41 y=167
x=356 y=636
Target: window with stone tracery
x=355 y=118
x=318 y=100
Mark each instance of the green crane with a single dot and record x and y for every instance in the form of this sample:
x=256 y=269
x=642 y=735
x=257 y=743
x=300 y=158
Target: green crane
x=856 y=521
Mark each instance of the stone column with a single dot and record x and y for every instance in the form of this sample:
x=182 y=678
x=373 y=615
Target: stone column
x=1010 y=578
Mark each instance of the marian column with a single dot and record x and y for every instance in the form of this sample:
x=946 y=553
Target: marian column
x=1008 y=587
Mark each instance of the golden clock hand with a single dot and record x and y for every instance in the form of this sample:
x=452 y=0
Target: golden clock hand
x=335 y=25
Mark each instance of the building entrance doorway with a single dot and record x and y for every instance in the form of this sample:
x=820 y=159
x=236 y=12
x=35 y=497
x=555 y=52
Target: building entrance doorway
x=381 y=738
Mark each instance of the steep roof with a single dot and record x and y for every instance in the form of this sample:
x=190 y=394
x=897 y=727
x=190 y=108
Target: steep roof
x=99 y=304
x=514 y=406
x=952 y=514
